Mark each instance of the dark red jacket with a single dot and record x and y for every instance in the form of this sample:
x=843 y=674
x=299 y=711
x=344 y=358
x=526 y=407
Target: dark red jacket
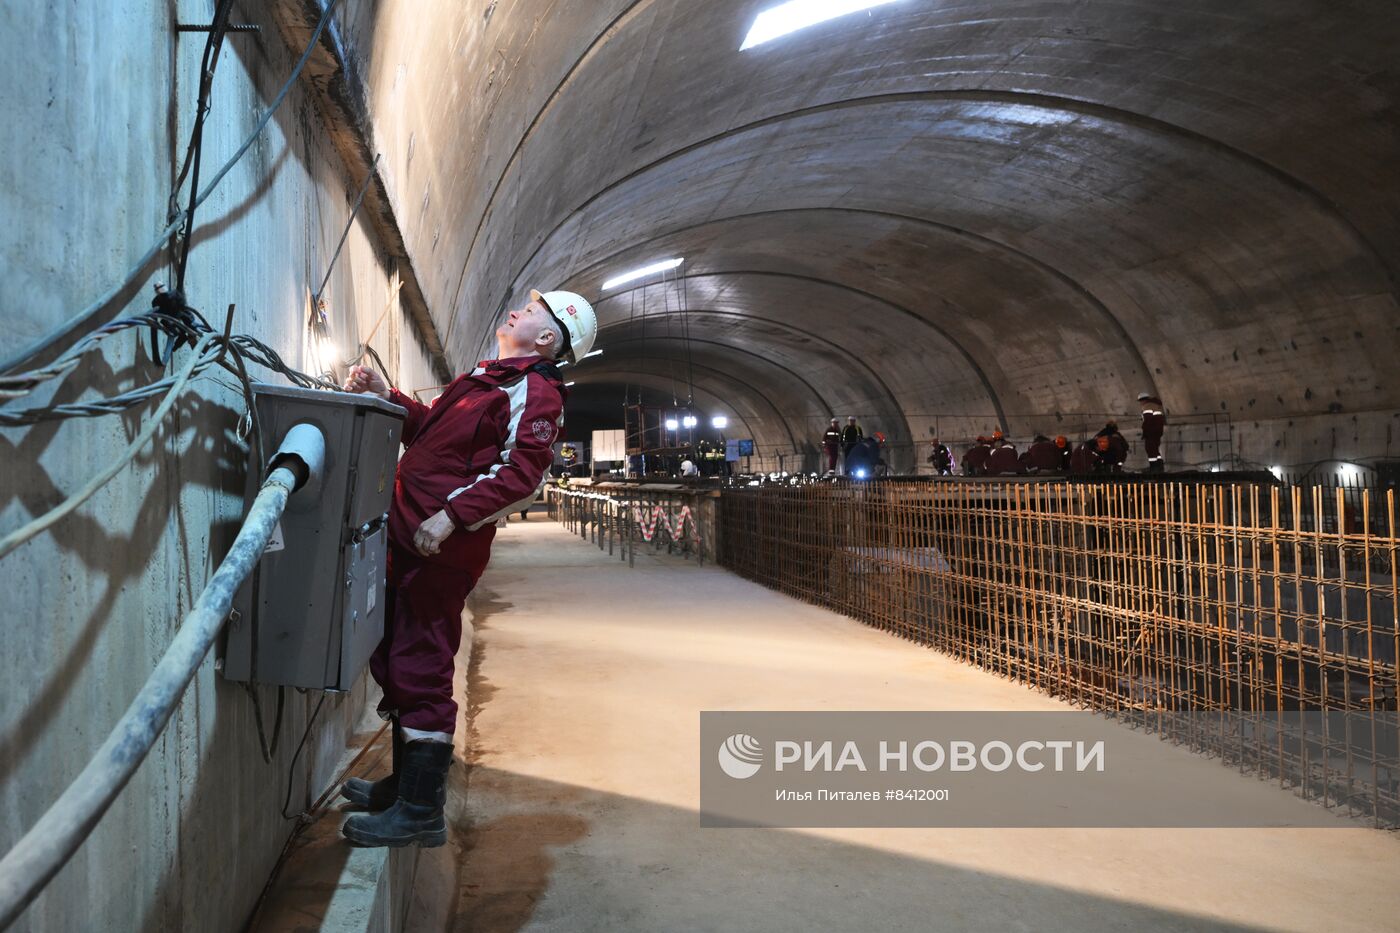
x=1002 y=461
x=975 y=460
x=1045 y=457
x=1154 y=418
x=479 y=451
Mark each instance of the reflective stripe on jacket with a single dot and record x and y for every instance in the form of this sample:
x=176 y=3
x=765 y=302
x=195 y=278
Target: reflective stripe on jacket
x=479 y=451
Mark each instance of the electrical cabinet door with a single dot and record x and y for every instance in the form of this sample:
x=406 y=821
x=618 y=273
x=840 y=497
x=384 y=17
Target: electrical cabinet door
x=312 y=611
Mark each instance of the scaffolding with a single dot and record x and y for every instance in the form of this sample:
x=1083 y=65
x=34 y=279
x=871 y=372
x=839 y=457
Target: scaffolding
x=1201 y=611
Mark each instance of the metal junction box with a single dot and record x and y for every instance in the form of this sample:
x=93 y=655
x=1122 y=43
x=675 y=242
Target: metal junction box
x=312 y=611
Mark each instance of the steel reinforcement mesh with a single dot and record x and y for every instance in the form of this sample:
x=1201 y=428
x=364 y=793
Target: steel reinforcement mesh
x=1155 y=602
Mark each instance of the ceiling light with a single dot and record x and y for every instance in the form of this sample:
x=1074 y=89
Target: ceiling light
x=719 y=422
x=688 y=421
x=784 y=18
x=672 y=424
x=642 y=272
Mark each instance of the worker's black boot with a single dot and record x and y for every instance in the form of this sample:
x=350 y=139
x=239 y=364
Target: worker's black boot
x=381 y=794
x=417 y=815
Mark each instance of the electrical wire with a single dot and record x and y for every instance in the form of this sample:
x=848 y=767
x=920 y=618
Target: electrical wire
x=85 y=317
x=195 y=153
x=292 y=768
x=177 y=388
x=350 y=222
x=235 y=352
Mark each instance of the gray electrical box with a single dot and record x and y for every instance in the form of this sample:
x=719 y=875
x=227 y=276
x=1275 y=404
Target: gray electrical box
x=312 y=611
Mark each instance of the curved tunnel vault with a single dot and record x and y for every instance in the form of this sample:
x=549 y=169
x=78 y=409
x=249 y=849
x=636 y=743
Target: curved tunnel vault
x=966 y=216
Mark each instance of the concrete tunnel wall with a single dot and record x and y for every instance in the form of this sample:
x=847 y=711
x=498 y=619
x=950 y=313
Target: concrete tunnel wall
x=1025 y=212
x=99 y=101
x=954 y=214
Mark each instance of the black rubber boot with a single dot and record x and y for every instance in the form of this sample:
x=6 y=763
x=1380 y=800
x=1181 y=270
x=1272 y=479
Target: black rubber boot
x=416 y=816
x=381 y=794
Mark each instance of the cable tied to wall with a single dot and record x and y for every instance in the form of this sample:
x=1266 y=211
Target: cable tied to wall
x=12 y=362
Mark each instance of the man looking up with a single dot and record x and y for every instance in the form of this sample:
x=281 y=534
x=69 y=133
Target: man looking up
x=480 y=451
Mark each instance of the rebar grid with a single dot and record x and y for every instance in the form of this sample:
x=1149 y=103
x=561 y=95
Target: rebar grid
x=1154 y=602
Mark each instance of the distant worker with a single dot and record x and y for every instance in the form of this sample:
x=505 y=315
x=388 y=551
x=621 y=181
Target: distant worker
x=831 y=444
x=1002 y=461
x=863 y=460
x=1085 y=458
x=1111 y=449
x=1154 y=425
x=941 y=458
x=849 y=439
x=1045 y=455
x=975 y=460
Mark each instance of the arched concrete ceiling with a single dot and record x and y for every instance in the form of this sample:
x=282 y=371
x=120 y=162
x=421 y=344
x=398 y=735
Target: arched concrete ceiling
x=1001 y=208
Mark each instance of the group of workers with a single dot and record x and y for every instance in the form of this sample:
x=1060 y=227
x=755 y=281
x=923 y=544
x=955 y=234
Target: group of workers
x=994 y=455
x=860 y=455
x=1105 y=452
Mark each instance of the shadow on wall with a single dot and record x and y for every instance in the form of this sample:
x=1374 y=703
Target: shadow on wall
x=231 y=815
x=537 y=851
x=197 y=442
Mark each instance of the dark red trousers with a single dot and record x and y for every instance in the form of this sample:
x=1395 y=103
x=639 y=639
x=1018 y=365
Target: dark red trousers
x=830 y=457
x=413 y=664
x=1153 y=443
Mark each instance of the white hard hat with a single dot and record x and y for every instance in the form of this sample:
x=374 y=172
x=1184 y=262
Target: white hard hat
x=576 y=316
x=1144 y=394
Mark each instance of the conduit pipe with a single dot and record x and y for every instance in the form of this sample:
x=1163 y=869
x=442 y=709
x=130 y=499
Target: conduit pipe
x=46 y=848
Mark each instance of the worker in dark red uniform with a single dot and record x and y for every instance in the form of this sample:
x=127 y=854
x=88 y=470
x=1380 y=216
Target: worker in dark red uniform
x=1043 y=456
x=478 y=453
x=831 y=444
x=1111 y=449
x=1154 y=425
x=975 y=459
x=1002 y=461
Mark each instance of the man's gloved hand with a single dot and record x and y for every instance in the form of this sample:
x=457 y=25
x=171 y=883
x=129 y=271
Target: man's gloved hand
x=364 y=379
x=434 y=530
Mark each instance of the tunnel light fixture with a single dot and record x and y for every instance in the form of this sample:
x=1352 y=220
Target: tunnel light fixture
x=643 y=272
x=719 y=422
x=1277 y=471
x=778 y=21
x=672 y=424
x=689 y=421
x=567 y=384
x=562 y=363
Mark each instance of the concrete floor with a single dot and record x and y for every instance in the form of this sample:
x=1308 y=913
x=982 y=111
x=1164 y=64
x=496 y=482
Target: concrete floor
x=578 y=810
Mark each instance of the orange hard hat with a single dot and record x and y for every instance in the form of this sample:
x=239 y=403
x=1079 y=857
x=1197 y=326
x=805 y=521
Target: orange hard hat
x=1061 y=441
x=997 y=434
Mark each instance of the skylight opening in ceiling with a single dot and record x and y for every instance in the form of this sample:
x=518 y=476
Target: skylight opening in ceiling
x=778 y=21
